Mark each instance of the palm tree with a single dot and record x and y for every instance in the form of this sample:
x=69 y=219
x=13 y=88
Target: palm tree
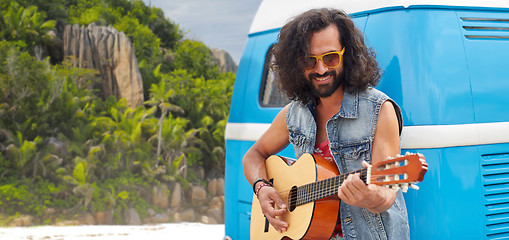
x=159 y=97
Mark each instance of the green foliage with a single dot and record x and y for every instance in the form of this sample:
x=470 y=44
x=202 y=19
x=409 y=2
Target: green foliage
x=146 y=43
x=167 y=31
x=62 y=146
x=88 y=15
x=27 y=26
x=122 y=192
x=196 y=58
x=15 y=198
x=24 y=156
x=207 y=117
x=54 y=9
x=37 y=97
x=22 y=197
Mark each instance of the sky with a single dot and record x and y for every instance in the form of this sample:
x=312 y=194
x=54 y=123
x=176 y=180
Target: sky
x=222 y=24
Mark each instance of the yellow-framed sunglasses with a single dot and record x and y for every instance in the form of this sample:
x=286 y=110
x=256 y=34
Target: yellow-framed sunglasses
x=330 y=60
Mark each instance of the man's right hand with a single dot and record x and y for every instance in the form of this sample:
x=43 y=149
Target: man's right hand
x=272 y=207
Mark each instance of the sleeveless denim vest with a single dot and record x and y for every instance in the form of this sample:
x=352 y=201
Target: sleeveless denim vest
x=351 y=132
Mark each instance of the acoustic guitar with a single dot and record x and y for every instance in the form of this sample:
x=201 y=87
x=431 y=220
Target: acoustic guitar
x=310 y=186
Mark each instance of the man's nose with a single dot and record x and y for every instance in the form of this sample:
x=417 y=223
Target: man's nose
x=320 y=67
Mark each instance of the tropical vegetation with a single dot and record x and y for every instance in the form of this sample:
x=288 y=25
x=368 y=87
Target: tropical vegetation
x=63 y=146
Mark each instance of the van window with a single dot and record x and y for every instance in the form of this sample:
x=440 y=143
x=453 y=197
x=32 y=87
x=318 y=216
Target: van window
x=270 y=94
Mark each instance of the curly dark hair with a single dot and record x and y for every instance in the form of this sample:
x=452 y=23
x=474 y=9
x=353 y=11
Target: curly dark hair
x=360 y=67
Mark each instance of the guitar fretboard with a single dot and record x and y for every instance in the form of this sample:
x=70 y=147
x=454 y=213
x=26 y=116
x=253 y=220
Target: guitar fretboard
x=324 y=188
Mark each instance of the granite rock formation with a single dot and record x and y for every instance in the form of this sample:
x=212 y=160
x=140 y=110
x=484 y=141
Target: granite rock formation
x=224 y=60
x=112 y=54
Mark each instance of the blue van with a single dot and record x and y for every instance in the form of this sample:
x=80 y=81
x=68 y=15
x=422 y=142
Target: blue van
x=446 y=65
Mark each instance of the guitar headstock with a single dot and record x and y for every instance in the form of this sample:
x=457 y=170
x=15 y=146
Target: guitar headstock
x=402 y=171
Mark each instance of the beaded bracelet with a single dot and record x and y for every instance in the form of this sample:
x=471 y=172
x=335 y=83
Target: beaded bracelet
x=260 y=180
x=260 y=187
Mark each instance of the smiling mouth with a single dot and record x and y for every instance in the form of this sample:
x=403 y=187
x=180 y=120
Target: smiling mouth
x=323 y=79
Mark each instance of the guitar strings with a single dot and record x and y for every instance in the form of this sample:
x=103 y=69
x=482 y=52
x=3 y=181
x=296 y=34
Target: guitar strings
x=332 y=187
x=324 y=191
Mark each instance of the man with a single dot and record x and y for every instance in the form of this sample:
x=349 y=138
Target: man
x=324 y=66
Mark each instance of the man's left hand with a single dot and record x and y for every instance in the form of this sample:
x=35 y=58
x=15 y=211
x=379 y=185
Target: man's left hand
x=355 y=192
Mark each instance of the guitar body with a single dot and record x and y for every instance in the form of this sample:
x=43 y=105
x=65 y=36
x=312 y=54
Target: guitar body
x=312 y=184
x=313 y=220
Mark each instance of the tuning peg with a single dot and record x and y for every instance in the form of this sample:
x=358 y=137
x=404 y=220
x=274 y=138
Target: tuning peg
x=414 y=186
x=404 y=187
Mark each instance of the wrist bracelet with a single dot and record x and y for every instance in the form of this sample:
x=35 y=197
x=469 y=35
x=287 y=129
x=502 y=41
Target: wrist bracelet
x=260 y=180
x=260 y=187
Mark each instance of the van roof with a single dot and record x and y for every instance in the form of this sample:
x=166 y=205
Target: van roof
x=272 y=14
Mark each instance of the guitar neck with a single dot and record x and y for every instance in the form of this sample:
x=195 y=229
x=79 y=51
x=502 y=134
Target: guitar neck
x=325 y=188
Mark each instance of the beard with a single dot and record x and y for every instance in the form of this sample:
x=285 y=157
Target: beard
x=325 y=90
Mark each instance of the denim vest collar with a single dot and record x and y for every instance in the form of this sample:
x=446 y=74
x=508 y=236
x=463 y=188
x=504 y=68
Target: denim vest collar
x=349 y=105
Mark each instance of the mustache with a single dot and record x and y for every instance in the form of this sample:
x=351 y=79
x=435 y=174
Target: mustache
x=316 y=75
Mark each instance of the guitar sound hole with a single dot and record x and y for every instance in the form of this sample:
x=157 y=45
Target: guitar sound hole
x=292 y=199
